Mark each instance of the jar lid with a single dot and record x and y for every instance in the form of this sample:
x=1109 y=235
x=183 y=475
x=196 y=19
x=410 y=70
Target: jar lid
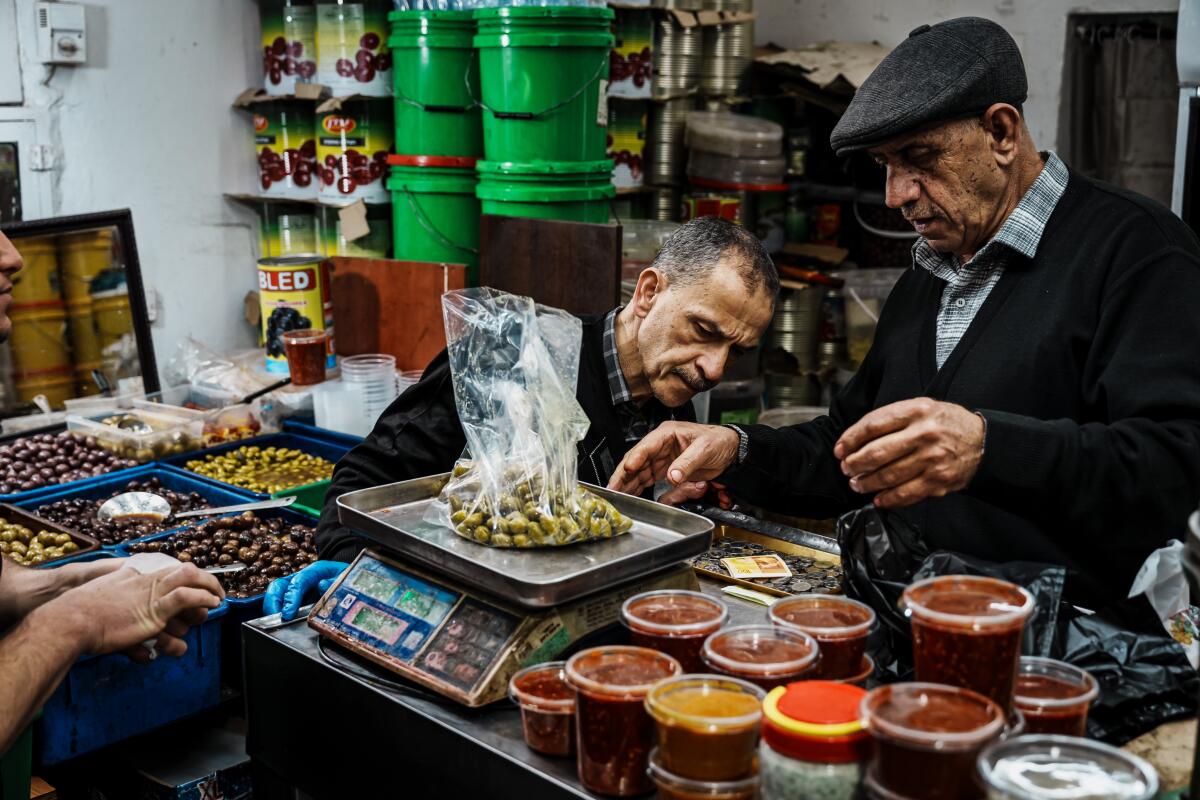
x=709 y=703
x=932 y=716
x=733 y=135
x=823 y=616
x=625 y=672
x=747 y=650
x=1044 y=683
x=816 y=721
x=1017 y=769
x=968 y=601
x=543 y=687
x=675 y=612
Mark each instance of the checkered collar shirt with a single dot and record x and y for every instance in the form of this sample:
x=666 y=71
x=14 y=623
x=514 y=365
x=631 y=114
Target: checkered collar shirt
x=968 y=285
x=634 y=423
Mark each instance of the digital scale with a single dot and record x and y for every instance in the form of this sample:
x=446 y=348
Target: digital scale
x=468 y=617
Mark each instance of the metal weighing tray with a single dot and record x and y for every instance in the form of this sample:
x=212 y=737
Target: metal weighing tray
x=393 y=516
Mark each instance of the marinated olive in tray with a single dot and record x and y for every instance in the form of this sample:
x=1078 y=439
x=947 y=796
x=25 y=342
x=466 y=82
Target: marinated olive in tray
x=50 y=459
x=270 y=548
x=808 y=574
x=264 y=469
x=24 y=546
x=79 y=514
x=140 y=434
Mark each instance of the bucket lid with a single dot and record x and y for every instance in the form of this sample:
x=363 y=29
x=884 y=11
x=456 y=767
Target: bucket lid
x=733 y=135
x=432 y=161
x=599 y=13
x=534 y=168
x=417 y=15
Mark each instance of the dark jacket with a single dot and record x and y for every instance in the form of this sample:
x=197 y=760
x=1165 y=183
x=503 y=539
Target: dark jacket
x=420 y=435
x=1085 y=361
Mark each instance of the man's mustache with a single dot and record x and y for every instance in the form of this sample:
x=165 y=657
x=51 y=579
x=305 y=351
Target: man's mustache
x=694 y=382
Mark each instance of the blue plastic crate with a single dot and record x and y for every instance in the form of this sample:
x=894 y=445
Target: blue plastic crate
x=33 y=494
x=331 y=451
x=313 y=432
x=107 y=699
x=218 y=494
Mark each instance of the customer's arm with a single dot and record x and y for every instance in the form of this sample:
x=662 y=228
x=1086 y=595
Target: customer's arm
x=22 y=590
x=418 y=435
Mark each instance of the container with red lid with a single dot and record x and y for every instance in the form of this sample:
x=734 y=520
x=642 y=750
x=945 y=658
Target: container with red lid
x=840 y=626
x=762 y=654
x=927 y=737
x=676 y=787
x=1054 y=696
x=707 y=726
x=547 y=704
x=675 y=622
x=967 y=632
x=614 y=734
x=813 y=744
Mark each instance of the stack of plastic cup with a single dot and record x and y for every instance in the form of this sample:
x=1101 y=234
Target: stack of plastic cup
x=373 y=376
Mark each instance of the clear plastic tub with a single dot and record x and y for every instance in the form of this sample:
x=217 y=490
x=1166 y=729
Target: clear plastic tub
x=676 y=787
x=733 y=135
x=762 y=654
x=1054 y=767
x=707 y=726
x=840 y=626
x=1054 y=696
x=741 y=171
x=675 y=622
x=547 y=704
x=140 y=434
x=224 y=420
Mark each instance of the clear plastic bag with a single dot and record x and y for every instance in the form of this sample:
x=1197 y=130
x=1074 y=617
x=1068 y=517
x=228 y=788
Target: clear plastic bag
x=514 y=366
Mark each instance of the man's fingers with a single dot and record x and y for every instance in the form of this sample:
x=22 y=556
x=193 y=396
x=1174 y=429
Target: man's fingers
x=176 y=627
x=879 y=422
x=168 y=645
x=906 y=494
x=178 y=600
x=879 y=453
x=189 y=575
x=683 y=468
x=892 y=475
x=684 y=493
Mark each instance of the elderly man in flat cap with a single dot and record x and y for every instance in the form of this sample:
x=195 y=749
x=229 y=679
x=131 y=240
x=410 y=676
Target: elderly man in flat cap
x=1033 y=392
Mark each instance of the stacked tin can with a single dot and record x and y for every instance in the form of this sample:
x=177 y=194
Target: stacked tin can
x=727 y=52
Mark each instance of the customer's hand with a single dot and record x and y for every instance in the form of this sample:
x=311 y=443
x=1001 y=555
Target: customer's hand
x=685 y=453
x=121 y=610
x=285 y=595
x=912 y=450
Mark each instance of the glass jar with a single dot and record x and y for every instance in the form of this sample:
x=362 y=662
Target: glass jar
x=707 y=726
x=814 y=745
x=614 y=734
x=967 y=632
x=674 y=622
x=1054 y=696
x=840 y=626
x=676 y=787
x=1045 y=767
x=927 y=737
x=762 y=654
x=547 y=704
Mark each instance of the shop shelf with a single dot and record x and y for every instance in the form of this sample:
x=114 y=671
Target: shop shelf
x=329 y=450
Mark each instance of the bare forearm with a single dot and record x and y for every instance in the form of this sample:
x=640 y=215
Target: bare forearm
x=23 y=589
x=34 y=657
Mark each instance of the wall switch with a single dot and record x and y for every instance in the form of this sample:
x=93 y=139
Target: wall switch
x=62 y=33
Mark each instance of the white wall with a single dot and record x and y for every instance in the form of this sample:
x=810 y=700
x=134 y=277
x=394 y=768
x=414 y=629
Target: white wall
x=146 y=124
x=1039 y=27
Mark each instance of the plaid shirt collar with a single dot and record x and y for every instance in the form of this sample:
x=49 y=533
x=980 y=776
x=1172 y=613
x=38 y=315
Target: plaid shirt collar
x=1020 y=233
x=612 y=364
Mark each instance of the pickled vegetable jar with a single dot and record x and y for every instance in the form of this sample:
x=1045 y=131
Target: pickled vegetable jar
x=547 y=704
x=927 y=737
x=707 y=726
x=676 y=787
x=814 y=744
x=1064 y=768
x=674 y=622
x=967 y=632
x=840 y=626
x=614 y=733
x=1054 y=696
x=762 y=654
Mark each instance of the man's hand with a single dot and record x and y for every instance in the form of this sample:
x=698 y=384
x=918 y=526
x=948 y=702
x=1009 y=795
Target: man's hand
x=684 y=453
x=912 y=450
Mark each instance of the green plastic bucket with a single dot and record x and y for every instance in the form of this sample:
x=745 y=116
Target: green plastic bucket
x=573 y=191
x=436 y=81
x=16 y=768
x=541 y=71
x=435 y=214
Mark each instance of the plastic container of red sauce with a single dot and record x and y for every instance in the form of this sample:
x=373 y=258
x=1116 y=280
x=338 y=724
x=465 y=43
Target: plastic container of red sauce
x=305 y=351
x=1054 y=696
x=676 y=787
x=927 y=737
x=840 y=626
x=674 y=622
x=967 y=632
x=707 y=726
x=547 y=704
x=764 y=655
x=614 y=733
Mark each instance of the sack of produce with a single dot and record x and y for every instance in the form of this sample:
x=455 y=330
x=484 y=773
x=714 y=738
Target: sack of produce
x=514 y=366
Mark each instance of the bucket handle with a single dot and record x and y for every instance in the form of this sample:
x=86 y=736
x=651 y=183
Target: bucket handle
x=429 y=227
x=527 y=115
x=402 y=97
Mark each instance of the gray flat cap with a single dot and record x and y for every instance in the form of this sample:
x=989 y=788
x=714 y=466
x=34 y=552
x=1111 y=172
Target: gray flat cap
x=940 y=72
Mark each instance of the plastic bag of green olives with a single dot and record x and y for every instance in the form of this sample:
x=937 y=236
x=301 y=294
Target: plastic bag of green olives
x=514 y=365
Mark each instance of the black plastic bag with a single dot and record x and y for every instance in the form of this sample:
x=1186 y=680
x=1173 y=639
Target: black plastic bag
x=1144 y=675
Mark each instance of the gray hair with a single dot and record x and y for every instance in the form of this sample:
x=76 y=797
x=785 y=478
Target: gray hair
x=691 y=253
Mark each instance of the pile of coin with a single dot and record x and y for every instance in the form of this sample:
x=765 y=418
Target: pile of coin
x=809 y=575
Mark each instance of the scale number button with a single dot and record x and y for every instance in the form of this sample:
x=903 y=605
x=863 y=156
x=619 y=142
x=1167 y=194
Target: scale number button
x=347 y=601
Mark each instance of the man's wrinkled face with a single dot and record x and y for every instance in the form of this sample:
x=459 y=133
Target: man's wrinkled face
x=946 y=182
x=10 y=264
x=695 y=331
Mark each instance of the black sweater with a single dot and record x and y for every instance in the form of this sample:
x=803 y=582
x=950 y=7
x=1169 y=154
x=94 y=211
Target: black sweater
x=1085 y=361
x=419 y=435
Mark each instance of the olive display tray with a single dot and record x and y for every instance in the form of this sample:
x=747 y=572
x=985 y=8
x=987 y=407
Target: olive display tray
x=36 y=524
x=327 y=449
x=729 y=533
x=393 y=517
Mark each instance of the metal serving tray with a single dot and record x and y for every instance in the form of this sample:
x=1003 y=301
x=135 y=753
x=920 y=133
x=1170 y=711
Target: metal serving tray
x=393 y=516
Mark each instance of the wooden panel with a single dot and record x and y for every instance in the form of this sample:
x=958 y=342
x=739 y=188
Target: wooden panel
x=385 y=306
x=571 y=265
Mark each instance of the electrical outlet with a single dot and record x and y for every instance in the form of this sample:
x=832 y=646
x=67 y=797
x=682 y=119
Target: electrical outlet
x=62 y=33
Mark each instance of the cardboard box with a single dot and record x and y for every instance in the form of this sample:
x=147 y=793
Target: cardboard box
x=213 y=764
x=627 y=141
x=632 y=63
